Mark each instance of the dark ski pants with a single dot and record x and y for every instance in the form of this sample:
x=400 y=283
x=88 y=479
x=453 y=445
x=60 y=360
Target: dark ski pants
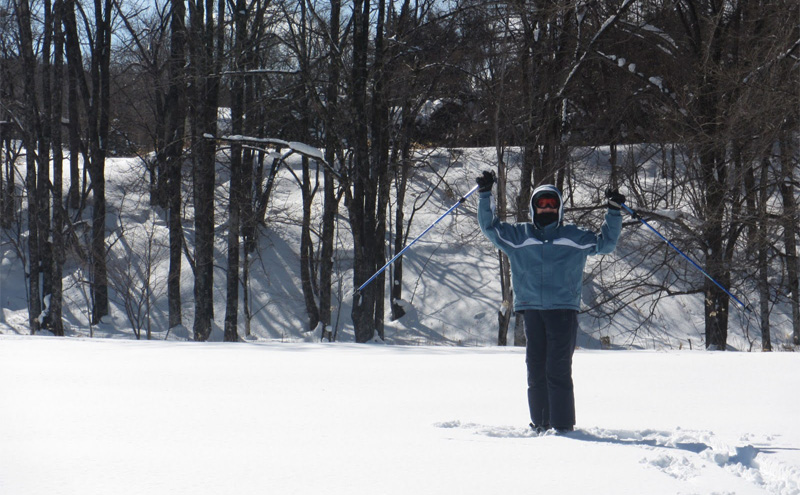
x=551 y=338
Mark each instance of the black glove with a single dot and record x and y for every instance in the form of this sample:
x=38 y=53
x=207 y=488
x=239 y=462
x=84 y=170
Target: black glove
x=614 y=199
x=485 y=181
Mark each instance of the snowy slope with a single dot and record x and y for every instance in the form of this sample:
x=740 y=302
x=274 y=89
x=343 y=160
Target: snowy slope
x=100 y=416
x=451 y=285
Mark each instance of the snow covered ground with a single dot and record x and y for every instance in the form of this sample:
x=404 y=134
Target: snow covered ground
x=100 y=416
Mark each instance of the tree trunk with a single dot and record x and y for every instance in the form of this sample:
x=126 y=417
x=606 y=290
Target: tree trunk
x=716 y=300
x=204 y=227
x=236 y=185
x=368 y=182
x=209 y=56
x=789 y=220
x=232 y=281
x=73 y=100
x=380 y=157
x=43 y=182
x=98 y=249
x=175 y=127
x=307 y=250
x=331 y=203
x=251 y=117
x=330 y=208
x=7 y=165
x=505 y=312
x=56 y=299
x=308 y=275
x=6 y=179
x=7 y=174
x=396 y=289
x=30 y=135
x=763 y=264
x=99 y=107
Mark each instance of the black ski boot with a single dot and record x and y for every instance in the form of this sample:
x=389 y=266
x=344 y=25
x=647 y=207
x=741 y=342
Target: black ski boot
x=539 y=429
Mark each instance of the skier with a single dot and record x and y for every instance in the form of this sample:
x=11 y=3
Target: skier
x=547 y=261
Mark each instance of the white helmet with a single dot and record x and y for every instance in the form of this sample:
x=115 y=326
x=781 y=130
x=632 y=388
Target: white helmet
x=547 y=190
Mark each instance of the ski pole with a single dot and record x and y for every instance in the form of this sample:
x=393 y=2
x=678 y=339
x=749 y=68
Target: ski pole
x=690 y=260
x=358 y=291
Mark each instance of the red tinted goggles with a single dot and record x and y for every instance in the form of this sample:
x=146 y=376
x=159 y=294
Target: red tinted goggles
x=547 y=202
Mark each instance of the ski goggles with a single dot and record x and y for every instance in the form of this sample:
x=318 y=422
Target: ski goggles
x=546 y=202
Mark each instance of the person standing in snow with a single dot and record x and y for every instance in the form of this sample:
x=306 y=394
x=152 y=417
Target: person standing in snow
x=547 y=260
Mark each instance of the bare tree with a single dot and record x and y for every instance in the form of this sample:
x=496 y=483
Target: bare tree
x=131 y=275
x=420 y=54
x=332 y=151
x=174 y=139
x=368 y=172
x=8 y=85
x=713 y=32
x=94 y=92
x=58 y=215
x=235 y=202
x=206 y=42
x=790 y=220
x=31 y=137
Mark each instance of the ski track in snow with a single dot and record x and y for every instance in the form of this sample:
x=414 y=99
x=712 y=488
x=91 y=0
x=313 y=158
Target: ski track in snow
x=680 y=454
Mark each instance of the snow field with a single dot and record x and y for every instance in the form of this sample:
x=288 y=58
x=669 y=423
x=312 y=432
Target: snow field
x=81 y=416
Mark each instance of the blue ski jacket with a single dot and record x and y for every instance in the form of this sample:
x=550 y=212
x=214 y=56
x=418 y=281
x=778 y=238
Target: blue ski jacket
x=547 y=263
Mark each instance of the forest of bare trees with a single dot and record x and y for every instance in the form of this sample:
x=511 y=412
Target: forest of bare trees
x=715 y=82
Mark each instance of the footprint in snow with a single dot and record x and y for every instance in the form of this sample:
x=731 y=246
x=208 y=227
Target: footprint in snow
x=680 y=454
